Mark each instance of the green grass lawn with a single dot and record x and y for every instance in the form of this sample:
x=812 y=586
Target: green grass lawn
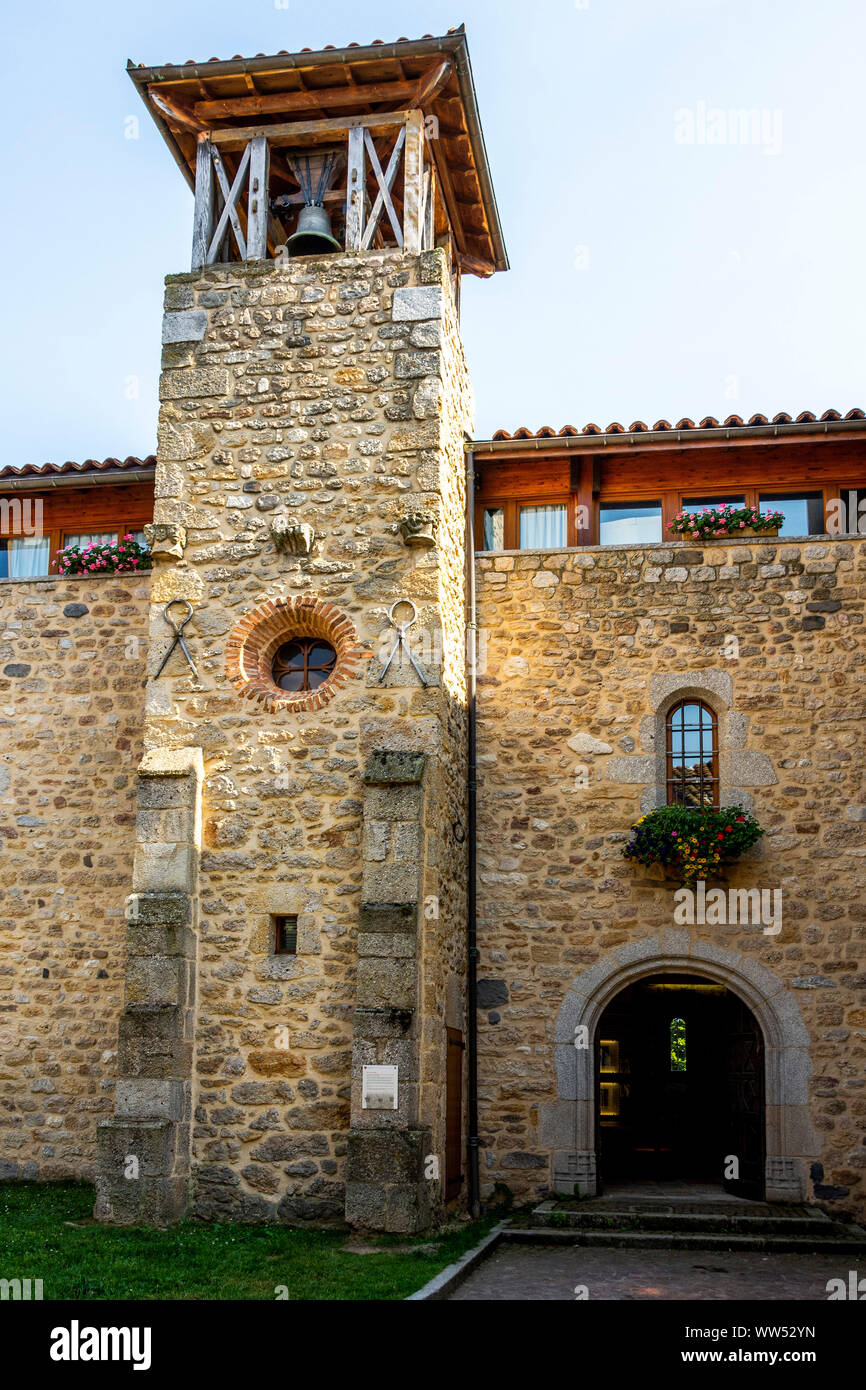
x=200 y=1261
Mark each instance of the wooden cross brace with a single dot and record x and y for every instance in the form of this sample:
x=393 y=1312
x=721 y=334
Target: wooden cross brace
x=252 y=172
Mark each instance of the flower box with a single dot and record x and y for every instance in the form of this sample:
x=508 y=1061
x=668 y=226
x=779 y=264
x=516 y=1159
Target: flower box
x=714 y=523
x=110 y=557
x=690 y=842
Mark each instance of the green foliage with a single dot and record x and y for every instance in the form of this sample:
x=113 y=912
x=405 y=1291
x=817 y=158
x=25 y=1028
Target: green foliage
x=722 y=521
x=48 y=1234
x=678 y=1044
x=692 y=840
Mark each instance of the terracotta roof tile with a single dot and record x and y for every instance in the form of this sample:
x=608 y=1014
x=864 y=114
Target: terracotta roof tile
x=709 y=422
x=128 y=465
x=326 y=48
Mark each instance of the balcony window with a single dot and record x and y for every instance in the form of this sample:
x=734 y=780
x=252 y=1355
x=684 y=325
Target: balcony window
x=804 y=512
x=83 y=538
x=631 y=523
x=543 y=528
x=697 y=504
x=494 y=528
x=28 y=557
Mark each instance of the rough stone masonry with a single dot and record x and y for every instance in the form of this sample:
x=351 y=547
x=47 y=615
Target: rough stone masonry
x=325 y=401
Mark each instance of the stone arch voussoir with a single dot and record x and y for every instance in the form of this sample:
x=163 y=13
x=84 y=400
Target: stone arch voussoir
x=257 y=636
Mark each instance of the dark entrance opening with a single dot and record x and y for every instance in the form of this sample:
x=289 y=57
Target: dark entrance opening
x=680 y=1087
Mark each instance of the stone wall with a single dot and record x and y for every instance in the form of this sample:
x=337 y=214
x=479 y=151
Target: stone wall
x=585 y=649
x=72 y=670
x=307 y=409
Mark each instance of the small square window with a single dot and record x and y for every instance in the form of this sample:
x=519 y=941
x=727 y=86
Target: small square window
x=285 y=936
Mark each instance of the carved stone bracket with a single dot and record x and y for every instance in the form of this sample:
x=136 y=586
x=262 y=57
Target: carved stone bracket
x=292 y=537
x=166 y=541
x=418 y=529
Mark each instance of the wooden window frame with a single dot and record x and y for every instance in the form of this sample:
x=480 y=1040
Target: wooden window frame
x=284 y=924
x=511 y=506
x=586 y=488
x=671 y=780
x=654 y=498
x=58 y=537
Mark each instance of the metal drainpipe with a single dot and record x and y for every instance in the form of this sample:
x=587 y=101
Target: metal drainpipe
x=471 y=786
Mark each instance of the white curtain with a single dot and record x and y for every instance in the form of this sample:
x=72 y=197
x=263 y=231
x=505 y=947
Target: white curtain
x=28 y=557
x=95 y=538
x=494 y=528
x=542 y=528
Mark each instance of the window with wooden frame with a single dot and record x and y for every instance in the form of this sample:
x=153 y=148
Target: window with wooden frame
x=285 y=930
x=34 y=526
x=692 y=752
x=531 y=523
x=634 y=497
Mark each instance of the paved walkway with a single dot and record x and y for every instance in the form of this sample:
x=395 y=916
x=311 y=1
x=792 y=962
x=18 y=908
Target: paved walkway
x=545 y=1273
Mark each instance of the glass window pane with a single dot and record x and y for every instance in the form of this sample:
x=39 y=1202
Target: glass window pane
x=850 y=518
x=629 y=523
x=804 y=513
x=28 y=557
x=4 y=560
x=696 y=504
x=543 y=528
x=494 y=528
x=692 y=750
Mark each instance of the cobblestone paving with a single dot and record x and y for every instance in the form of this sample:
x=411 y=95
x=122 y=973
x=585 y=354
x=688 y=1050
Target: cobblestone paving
x=540 y=1273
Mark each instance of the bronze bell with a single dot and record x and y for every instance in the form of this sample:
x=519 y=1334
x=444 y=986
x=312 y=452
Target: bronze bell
x=312 y=236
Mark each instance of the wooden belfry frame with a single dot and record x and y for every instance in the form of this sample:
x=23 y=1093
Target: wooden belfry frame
x=209 y=241
x=252 y=225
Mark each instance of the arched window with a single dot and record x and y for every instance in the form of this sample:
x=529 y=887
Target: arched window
x=692 y=755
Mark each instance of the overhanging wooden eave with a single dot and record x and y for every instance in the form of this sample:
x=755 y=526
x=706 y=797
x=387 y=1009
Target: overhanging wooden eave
x=477 y=218
x=539 y=450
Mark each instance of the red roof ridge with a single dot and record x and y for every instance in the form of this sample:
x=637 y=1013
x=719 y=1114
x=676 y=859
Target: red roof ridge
x=110 y=465
x=709 y=422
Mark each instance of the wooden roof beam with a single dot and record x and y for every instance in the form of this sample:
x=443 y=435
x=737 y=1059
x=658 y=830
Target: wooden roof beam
x=430 y=84
x=304 y=132
x=309 y=100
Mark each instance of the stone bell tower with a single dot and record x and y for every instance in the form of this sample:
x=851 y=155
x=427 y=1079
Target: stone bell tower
x=296 y=921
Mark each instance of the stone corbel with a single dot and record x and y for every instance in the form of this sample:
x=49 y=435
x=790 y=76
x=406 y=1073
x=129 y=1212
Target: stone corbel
x=166 y=541
x=418 y=529
x=292 y=537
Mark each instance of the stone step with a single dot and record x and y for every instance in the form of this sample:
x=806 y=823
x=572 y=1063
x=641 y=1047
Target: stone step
x=850 y=1240
x=762 y=1220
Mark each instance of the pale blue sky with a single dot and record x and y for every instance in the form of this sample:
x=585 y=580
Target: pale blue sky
x=650 y=277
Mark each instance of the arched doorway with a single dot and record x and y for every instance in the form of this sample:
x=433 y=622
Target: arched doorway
x=567 y=1125
x=680 y=1087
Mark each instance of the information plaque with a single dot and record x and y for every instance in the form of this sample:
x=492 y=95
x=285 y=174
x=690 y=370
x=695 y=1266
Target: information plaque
x=379 y=1088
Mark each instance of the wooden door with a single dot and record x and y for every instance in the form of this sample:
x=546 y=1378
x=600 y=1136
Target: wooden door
x=745 y=1100
x=453 y=1113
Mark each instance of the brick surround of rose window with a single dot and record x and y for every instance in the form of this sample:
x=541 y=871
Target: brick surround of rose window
x=254 y=641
